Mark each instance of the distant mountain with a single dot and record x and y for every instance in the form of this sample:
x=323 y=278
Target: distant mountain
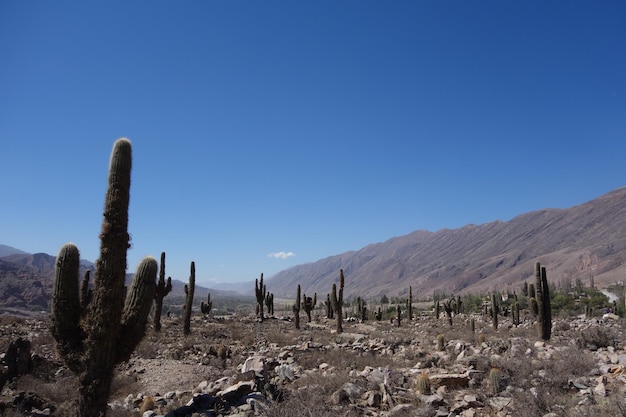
x=588 y=240
x=8 y=250
x=26 y=281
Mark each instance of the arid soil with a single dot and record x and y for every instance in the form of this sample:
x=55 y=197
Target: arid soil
x=373 y=368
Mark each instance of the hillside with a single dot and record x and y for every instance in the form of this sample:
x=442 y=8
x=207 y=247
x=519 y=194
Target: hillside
x=26 y=282
x=588 y=240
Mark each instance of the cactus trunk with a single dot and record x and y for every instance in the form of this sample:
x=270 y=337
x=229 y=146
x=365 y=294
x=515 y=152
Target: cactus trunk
x=336 y=300
x=544 y=309
x=189 y=290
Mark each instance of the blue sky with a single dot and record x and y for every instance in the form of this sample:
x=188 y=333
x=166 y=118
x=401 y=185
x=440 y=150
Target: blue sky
x=302 y=128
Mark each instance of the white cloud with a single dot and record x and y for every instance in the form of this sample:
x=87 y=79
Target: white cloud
x=281 y=255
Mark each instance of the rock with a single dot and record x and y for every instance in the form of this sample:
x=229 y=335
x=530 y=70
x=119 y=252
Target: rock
x=600 y=390
x=449 y=380
x=254 y=363
x=373 y=398
x=235 y=392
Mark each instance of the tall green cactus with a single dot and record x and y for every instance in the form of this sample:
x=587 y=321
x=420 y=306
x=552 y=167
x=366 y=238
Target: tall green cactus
x=544 y=309
x=162 y=289
x=94 y=338
x=260 y=292
x=336 y=301
x=189 y=291
x=296 y=309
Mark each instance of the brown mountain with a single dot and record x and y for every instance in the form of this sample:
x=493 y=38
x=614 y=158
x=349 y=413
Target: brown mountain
x=581 y=242
x=26 y=282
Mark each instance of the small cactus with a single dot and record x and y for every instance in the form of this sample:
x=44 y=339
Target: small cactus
x=423 y=384
x=495 y=381
x=472 y=325
x=441 y=342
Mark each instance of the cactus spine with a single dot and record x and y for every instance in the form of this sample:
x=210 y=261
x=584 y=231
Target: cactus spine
x=260 y=291
x=92 y=340
x=189 y=290
x=296 y=309
x=543 y=302
x=162 y=289
x=336 y=301
x=206 y=308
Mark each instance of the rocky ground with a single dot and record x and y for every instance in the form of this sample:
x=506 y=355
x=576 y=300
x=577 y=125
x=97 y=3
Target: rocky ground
x=239 y=366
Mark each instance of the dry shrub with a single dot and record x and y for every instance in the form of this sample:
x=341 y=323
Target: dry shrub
x=309 y=396
x=596 y=337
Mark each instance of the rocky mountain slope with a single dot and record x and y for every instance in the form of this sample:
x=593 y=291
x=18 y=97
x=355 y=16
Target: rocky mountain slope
x=26 y=282
x=581 y=242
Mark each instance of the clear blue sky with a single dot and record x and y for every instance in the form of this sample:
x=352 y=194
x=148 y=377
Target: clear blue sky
x=307 y=128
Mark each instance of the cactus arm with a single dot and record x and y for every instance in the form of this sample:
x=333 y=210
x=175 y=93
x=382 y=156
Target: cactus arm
x=66 y=307
x=85 y=293
x=137 y=308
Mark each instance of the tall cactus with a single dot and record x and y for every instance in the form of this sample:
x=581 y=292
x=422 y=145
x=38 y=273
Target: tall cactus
x=92 y=340
x=296 y=309
x=269 y=303
x=260 y=292
x=495 y=309
x=409 y=304
x=162 y=289
x=544 y=309
x=206 y=308
x=329 y=307
x=308 y=304
x=189 y=291
x=336 y=301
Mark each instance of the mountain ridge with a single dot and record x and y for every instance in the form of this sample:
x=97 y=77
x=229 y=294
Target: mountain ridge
x=584 y=241
x=581 y=242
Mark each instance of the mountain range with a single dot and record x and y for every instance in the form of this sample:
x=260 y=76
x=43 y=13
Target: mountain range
x=585 y=242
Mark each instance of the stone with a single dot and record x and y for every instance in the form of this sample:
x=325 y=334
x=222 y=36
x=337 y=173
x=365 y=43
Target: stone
x=254 y=363
x=449 y=380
